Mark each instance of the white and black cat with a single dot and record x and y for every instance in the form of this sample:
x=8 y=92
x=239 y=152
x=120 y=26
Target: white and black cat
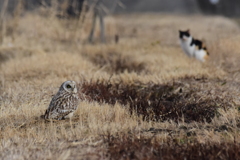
x=187 y=44
x=193 y=47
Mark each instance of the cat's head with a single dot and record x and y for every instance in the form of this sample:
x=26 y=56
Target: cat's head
x=184 y=34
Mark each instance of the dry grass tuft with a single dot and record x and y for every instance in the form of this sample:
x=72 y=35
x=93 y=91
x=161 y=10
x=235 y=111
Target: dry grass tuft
x=7 y=53
x=116 y=63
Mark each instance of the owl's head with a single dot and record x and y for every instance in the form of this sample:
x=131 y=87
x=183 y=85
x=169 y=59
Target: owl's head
x=69 y=86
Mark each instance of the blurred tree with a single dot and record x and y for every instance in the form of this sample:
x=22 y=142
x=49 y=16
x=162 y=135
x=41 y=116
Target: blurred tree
x=74 y=7
x=100 y=9
x=98 y=12
x=222 y=7
x=2 y=20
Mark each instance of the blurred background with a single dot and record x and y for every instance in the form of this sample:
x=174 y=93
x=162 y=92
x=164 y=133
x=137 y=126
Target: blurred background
x=97 y=20
x=221 y=7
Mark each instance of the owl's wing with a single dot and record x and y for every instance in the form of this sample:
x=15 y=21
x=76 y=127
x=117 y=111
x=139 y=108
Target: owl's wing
x=59 y=107
x=60 y=114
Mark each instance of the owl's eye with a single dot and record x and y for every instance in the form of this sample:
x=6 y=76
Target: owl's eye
x=68 y=86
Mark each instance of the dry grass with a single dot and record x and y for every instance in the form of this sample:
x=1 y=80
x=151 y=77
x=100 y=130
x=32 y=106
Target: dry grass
x=144 y=98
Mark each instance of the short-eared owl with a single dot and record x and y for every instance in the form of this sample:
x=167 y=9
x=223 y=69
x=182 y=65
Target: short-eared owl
x=64 y=103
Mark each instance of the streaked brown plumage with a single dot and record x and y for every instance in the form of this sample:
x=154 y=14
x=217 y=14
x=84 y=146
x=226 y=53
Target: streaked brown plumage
x=64 y=103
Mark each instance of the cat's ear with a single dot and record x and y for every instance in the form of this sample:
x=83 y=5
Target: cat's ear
x=188 y=30
x=179 y=31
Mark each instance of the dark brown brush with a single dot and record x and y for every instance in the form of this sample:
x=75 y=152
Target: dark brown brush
x=132 y=147
x=160 y=102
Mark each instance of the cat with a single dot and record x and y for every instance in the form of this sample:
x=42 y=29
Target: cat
x=187 y=44
x=193 y=47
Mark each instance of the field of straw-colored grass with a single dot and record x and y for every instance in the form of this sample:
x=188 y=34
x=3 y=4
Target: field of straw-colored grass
x=40 y=52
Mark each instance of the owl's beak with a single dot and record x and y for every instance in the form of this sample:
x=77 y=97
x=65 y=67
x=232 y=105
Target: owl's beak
x=75 y=90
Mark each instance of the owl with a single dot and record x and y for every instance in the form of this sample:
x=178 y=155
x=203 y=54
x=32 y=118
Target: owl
x=64 y=103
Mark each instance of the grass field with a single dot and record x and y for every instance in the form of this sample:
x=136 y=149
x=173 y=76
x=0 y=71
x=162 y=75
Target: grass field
x=144 y=99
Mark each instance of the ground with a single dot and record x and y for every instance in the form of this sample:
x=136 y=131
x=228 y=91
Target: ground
x=141 y=98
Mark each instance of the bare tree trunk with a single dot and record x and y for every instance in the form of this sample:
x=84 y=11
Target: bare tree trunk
x=17 y=13
x=81 y=18
x=102 y=28
x=54 y=6
x=116 y=38
x=90 y=38
x=2 y=20
x=97 y=13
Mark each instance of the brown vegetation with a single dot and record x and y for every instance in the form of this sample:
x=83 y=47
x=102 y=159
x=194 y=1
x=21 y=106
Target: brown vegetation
x=149 y=148
x=183 y=100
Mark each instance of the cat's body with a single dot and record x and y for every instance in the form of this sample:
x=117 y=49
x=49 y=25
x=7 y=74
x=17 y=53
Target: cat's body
x=202 y=54
x=187 y=43
x=193 y=47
